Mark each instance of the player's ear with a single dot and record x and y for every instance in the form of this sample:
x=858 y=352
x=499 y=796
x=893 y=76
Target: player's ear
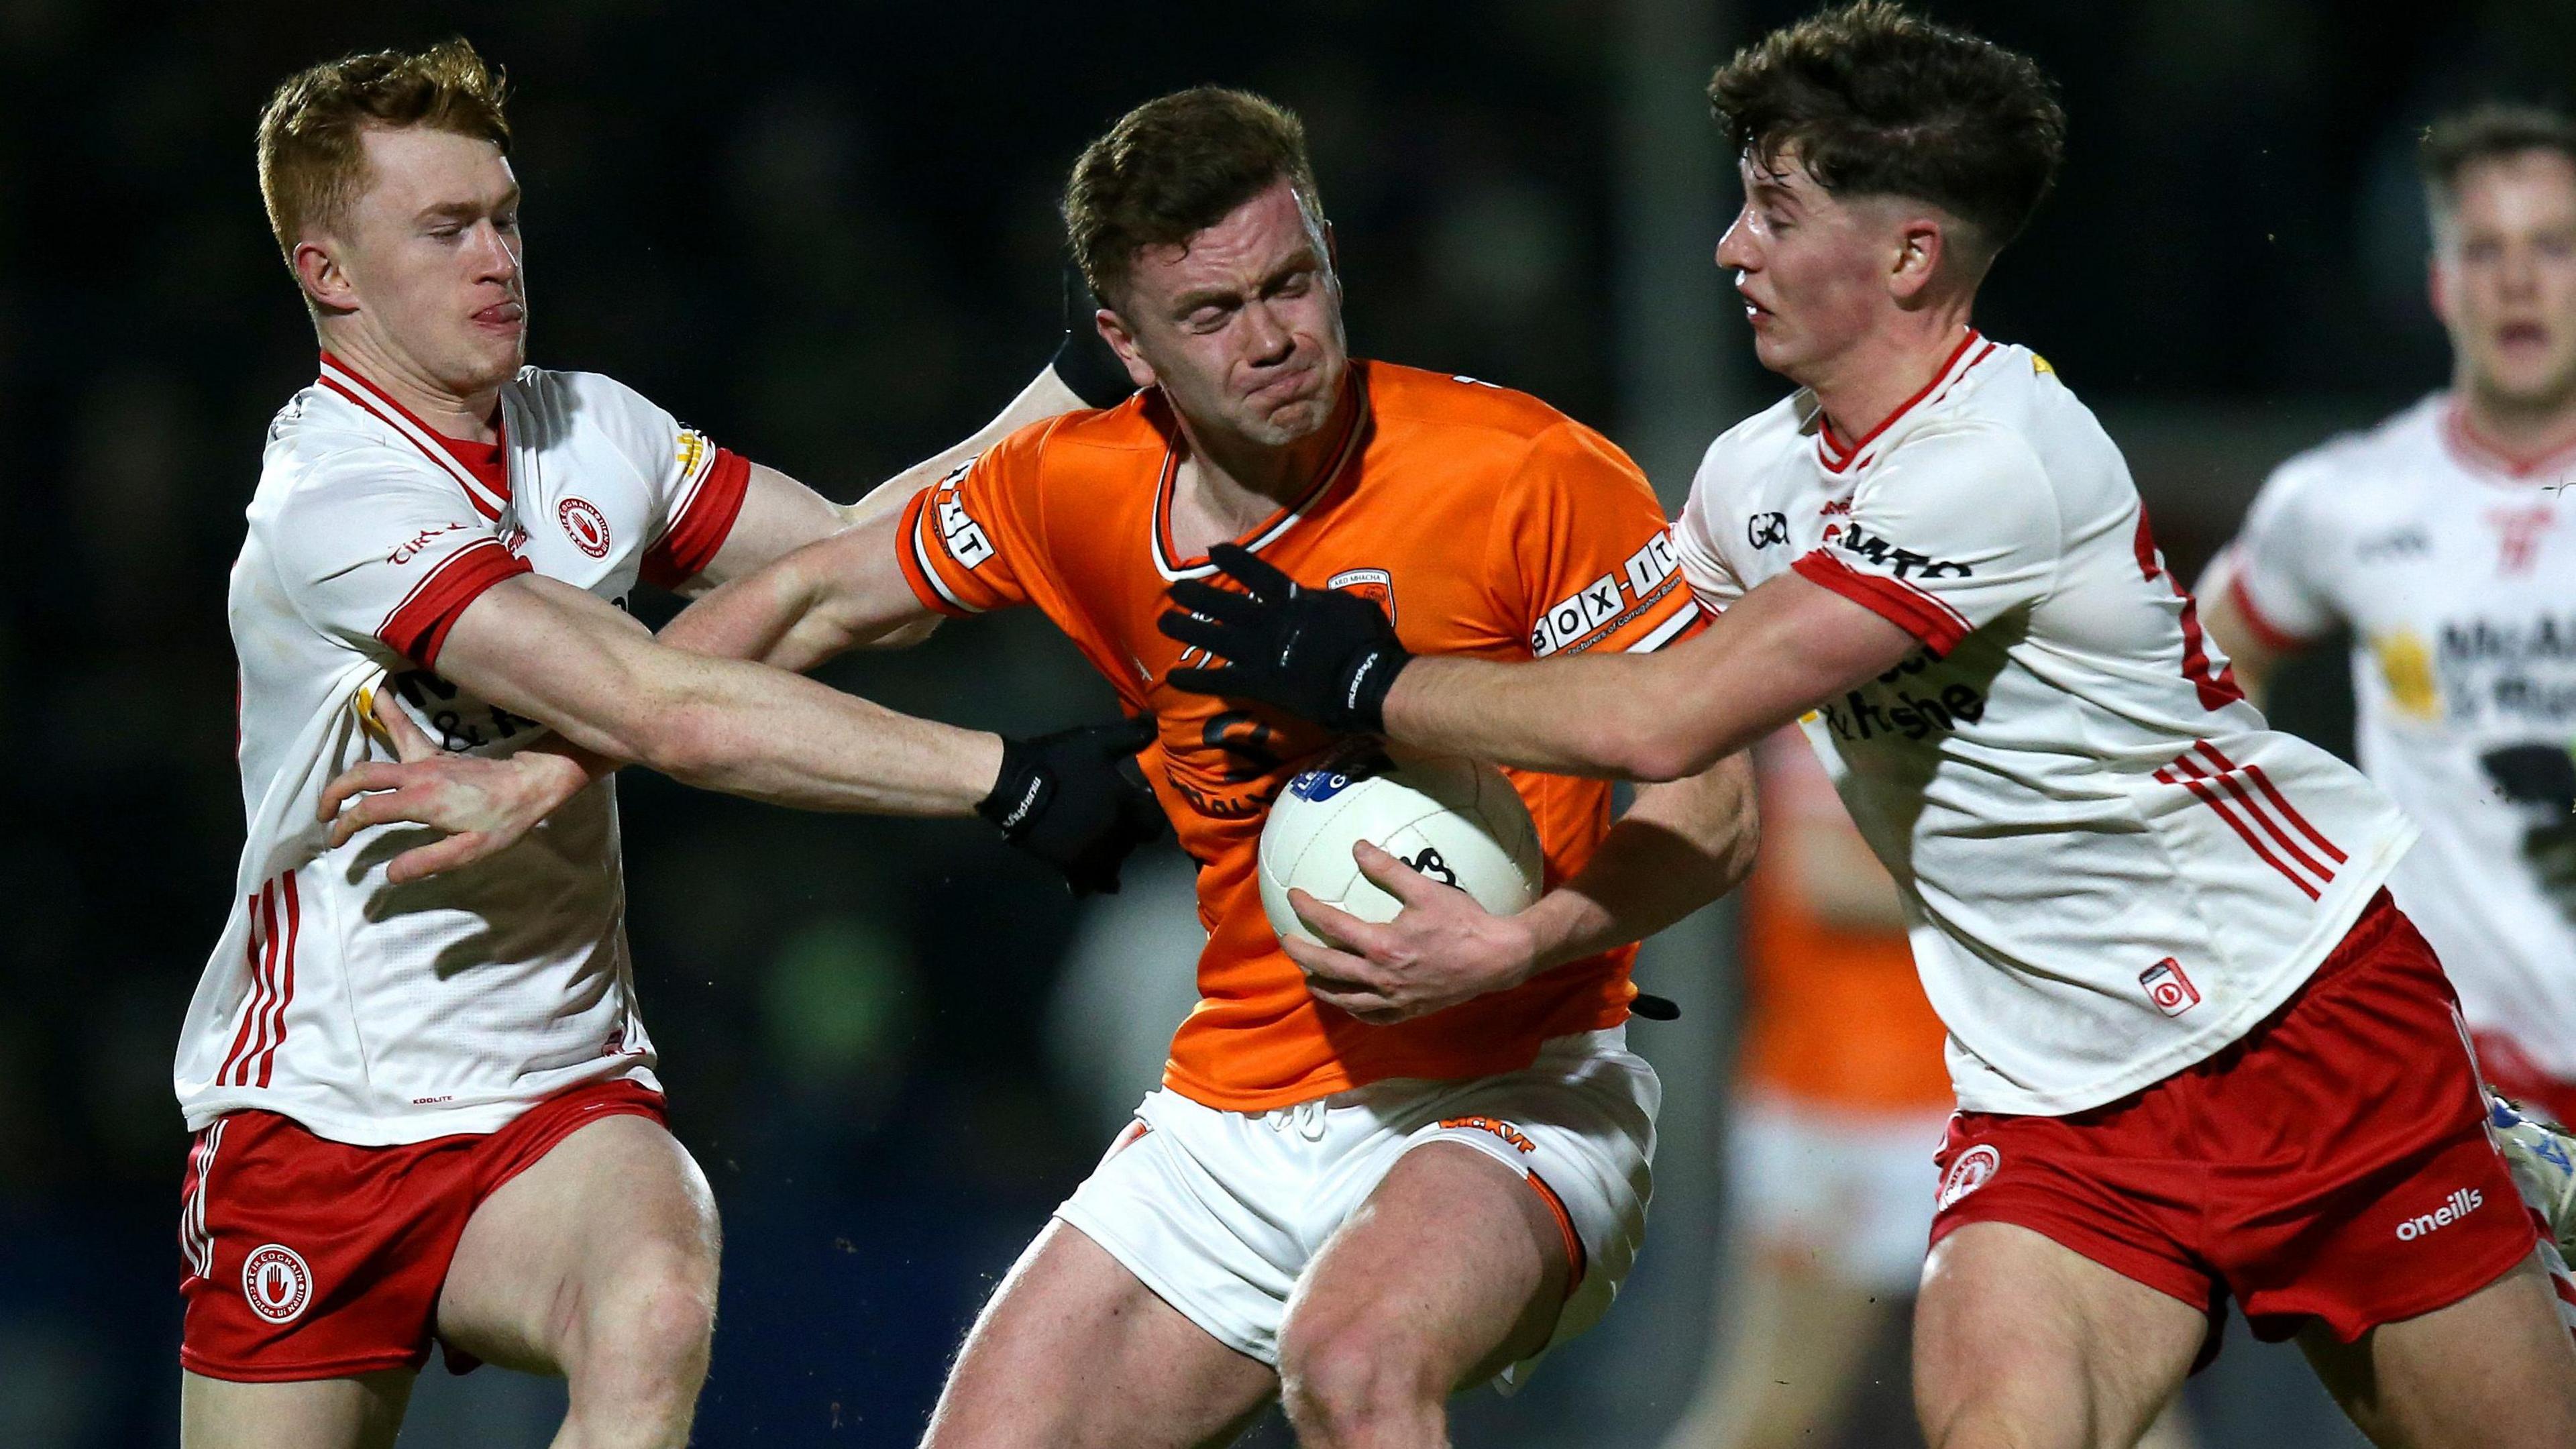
x=325 y=281
x=1920 y=251
x=2437 y=286
x=1114 y=331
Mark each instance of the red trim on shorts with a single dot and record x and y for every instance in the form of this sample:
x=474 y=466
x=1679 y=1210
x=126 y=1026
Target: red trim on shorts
x=1939 y=627
x=695 y=538
x=417 y=628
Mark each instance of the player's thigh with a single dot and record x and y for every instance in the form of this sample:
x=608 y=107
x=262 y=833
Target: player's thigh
x=612 y=1231
x=2495 y=1370
x=1452 y=1269
x=362 y=1412
x=2021 y=1341
x=1075 y=1352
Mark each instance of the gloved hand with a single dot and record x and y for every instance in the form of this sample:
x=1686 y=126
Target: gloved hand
x=1064 y=798
x=1084 y=361
x=1320 y=654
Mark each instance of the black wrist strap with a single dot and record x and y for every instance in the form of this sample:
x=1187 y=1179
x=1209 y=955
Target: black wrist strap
x=1020 y=791
x=1364 y=692
x=1084 y=361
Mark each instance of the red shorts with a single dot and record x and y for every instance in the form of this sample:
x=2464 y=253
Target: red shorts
x=2333 y=1164
x=312 y=1259
x=2513 y=1073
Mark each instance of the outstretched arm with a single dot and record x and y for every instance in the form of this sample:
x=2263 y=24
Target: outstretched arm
x=1680 y=846
x=1332 y=657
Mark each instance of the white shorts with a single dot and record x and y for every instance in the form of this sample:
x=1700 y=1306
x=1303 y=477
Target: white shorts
x=1853 y=1189
x=1219 y=1212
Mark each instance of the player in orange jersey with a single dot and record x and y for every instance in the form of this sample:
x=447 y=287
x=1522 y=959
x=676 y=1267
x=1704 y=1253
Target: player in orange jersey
x=1355 y=1218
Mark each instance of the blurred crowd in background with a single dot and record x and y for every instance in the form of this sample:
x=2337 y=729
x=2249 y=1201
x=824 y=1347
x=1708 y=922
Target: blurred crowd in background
x=826 y=236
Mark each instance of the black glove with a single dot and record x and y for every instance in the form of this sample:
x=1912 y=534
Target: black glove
x=1084 y=361
x=1063 y=798
x=1320 y=654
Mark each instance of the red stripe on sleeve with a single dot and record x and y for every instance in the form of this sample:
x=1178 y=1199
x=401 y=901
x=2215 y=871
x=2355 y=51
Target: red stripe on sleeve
x=417 y=628
x=693 y=539
x=2266 y=633
x=910 y=552
x=1937 y=625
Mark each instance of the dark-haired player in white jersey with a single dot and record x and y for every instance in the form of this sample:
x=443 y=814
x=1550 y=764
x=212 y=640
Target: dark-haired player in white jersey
x=2198 y=1052
x=425 y=1107
x=2445 y=540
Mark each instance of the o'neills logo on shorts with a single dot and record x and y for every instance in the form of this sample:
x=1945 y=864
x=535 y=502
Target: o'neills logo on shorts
x=277 y=1283
x=2455 y=1207
x=1974 y=1169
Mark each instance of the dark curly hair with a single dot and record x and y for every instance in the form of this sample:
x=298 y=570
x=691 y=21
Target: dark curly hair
x=1876 y=100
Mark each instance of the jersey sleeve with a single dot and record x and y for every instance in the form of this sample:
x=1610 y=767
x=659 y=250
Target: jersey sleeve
x=962 y=544
x=697 y=487
x=1584 y=540
x=383 y=556
x=1953 y=529
x=1695 y=542
x=2276 y=578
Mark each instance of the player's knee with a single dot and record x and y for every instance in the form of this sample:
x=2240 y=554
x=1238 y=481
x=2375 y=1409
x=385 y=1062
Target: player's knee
x=658 y=1323
x=1338 y=1383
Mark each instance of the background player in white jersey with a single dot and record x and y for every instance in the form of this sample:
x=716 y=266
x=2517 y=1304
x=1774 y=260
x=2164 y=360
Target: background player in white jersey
x=426 y=1108
x=2198 y=1052
x=2445 y=541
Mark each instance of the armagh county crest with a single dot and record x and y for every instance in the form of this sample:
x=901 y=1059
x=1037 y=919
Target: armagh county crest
x=1375 y=585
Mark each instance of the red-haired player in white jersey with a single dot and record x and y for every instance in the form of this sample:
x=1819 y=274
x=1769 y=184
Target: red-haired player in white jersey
x=426 y=1107
x=2199 y=1055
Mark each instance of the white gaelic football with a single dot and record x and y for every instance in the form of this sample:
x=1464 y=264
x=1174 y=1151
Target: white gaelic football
x=1455 y=820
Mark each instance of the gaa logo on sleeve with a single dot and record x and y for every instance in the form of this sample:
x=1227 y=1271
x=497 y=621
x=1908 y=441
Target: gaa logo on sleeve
x=2167 y=986
x=277 y=1283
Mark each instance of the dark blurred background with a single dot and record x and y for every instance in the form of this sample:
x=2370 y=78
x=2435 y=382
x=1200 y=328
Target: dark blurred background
x=825 y=234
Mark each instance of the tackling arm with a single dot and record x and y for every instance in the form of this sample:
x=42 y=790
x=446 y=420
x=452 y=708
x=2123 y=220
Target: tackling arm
x=555 y=653
x=1786 y=646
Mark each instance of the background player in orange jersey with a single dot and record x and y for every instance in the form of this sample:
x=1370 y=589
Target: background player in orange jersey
x=1355 y=1218
x=1841 y=1096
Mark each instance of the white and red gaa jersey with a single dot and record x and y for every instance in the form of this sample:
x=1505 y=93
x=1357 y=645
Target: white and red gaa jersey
x=2455 y=569
x=2110 y=867
x=374 y=1013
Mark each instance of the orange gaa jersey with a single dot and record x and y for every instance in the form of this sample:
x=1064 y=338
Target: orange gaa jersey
x=1484 y=521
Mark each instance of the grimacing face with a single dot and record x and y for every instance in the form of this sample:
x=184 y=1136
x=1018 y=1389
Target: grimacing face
x=429 y=257
x=2504 y=279
x=1242 y=325
x=1811 y=267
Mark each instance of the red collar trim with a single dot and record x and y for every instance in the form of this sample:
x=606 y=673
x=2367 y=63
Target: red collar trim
x=2468 y=447
x=1837 y=455
x=483 y=469
x=1268 y=530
